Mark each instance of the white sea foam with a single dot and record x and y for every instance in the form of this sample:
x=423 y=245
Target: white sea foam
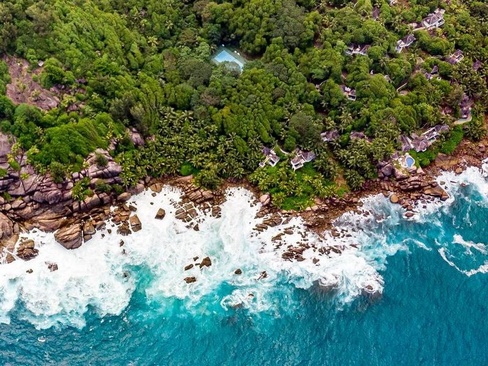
x=474 y=253
x=468 y=245
x=369 y=227
x=103 y=276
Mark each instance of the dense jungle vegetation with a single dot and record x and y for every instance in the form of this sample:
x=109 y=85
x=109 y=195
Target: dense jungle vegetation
x=146 y=64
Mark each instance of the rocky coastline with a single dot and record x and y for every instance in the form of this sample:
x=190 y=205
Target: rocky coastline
x=36 y=201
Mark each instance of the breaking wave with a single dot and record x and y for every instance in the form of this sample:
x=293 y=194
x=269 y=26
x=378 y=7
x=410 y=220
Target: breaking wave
x=102 y=276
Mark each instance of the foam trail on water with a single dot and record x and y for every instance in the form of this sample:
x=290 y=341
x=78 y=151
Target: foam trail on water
x=467 y=256
x=480 y=247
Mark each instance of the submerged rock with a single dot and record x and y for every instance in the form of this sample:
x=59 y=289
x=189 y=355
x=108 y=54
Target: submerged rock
x=238 y=271
x=371 y=292
x=52 y=266
x=190 y=266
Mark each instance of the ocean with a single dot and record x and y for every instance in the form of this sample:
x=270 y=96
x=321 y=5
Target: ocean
x=113 y=304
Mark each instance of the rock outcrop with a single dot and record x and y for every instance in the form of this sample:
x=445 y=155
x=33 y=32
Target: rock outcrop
x=26 y=250
x=160 y=214
x=69 y=236
x=124 y=229
x=135 y=223
x=6 y=227
x=206 y=262
x=38 y=201
x=190 y=279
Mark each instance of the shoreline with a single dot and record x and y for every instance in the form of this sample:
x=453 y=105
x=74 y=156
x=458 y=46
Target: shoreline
x=72 y=229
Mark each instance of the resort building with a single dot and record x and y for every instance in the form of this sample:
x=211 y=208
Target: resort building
x=329 y=136
x=456 y=57
x=405 y=42
x=270 y=157
x=424 y=141
x=465 y=107
x=301 y=158
x=348 y=92
x=357 y=135
x=357 y=50
x=375 y=13
x=432 y=74
x=406 y=143
x=433 y=20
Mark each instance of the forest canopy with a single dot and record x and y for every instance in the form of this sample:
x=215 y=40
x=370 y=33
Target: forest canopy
x=118 y=65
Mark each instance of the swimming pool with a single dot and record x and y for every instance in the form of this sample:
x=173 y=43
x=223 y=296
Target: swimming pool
x=409 y=161
x=225 y=55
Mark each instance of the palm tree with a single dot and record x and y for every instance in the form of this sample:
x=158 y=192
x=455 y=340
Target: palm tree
x=152 y=41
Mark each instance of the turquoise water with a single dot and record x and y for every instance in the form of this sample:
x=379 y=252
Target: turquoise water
x=433 y=310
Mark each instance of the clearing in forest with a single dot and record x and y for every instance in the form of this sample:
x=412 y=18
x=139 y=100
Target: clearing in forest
x=24 y=89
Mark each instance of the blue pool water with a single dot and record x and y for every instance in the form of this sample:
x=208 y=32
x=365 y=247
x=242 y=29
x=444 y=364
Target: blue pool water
x=227 y=56
x=410 y=161
x=433 y=310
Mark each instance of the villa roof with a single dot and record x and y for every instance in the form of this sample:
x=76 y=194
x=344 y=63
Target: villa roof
x=405 y=42
x=357 y=49
x=409 y=39
x=457 y=53
x=269 y=152
x=350 y=93
x=406 y=143
x=433 y=18
x=476 y=65
x=357 y=135
x=455 y=57
x=420 y=144
x=296 y=160
x=465 y=101
x=303 y=157
x=375 y=13
x=442 y=128
x=465 y=106
x=329 y=135
x=308 y=155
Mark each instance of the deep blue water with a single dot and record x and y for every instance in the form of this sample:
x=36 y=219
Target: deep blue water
x=431 y=313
